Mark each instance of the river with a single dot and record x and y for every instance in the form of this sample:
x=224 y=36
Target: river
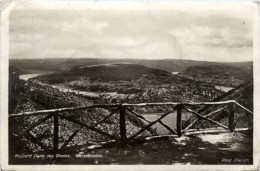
x=224 y=88
x=175 y=73
x=169 y=120
x=28 y=76
x=64 y=89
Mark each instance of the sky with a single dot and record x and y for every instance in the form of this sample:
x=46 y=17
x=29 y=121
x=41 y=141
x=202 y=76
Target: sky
x=205 y=31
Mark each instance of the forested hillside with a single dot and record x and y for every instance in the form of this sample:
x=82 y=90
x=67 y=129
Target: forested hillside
x=218 y=74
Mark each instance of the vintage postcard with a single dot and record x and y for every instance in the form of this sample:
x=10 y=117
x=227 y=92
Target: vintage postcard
x=94 y=85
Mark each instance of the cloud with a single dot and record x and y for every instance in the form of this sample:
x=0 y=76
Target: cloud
x=105 y=32
x=229 y=37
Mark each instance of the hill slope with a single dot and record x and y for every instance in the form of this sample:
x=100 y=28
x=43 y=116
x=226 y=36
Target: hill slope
x=243 y=94
x=217 y=74
x=108 y=72
x=25 y=96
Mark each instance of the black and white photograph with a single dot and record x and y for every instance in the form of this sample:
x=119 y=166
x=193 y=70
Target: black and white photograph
x=130 y=83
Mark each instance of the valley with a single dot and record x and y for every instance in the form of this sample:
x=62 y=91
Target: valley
x=113 y=83
x=130 y=83
x=239 y=71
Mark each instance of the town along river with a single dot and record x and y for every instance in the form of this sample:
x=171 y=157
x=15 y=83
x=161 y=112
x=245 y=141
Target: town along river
x=169 y=120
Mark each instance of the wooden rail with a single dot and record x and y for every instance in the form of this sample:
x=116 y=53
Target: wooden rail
x=122 y=109
x=40 y=112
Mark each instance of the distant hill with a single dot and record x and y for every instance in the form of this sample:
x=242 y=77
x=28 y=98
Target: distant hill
x=37 y=65
x=108 y=72
x=245 y=66
x=63 y=64
x=218 y=74
x=158 y=64
x=184 y=64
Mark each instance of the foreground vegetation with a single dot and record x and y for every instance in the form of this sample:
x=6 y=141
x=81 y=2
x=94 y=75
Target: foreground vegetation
x=29 y=96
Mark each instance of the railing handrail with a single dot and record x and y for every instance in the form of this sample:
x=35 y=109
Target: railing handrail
x=178 y=103
x=49 y=111
x=122 y=109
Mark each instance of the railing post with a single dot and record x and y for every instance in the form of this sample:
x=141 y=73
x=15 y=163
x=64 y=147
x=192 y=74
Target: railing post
x=179 y=124
x=250 y=124
x=123 y=137
x=56 y=133
x=231 y=124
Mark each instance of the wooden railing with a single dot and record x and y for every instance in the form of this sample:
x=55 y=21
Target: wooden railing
x=122 y=109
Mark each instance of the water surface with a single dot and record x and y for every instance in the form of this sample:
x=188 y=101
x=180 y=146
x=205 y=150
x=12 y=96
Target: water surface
x=175 y=73
x=224 y=88
x=28 y=76
x=169 y=120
